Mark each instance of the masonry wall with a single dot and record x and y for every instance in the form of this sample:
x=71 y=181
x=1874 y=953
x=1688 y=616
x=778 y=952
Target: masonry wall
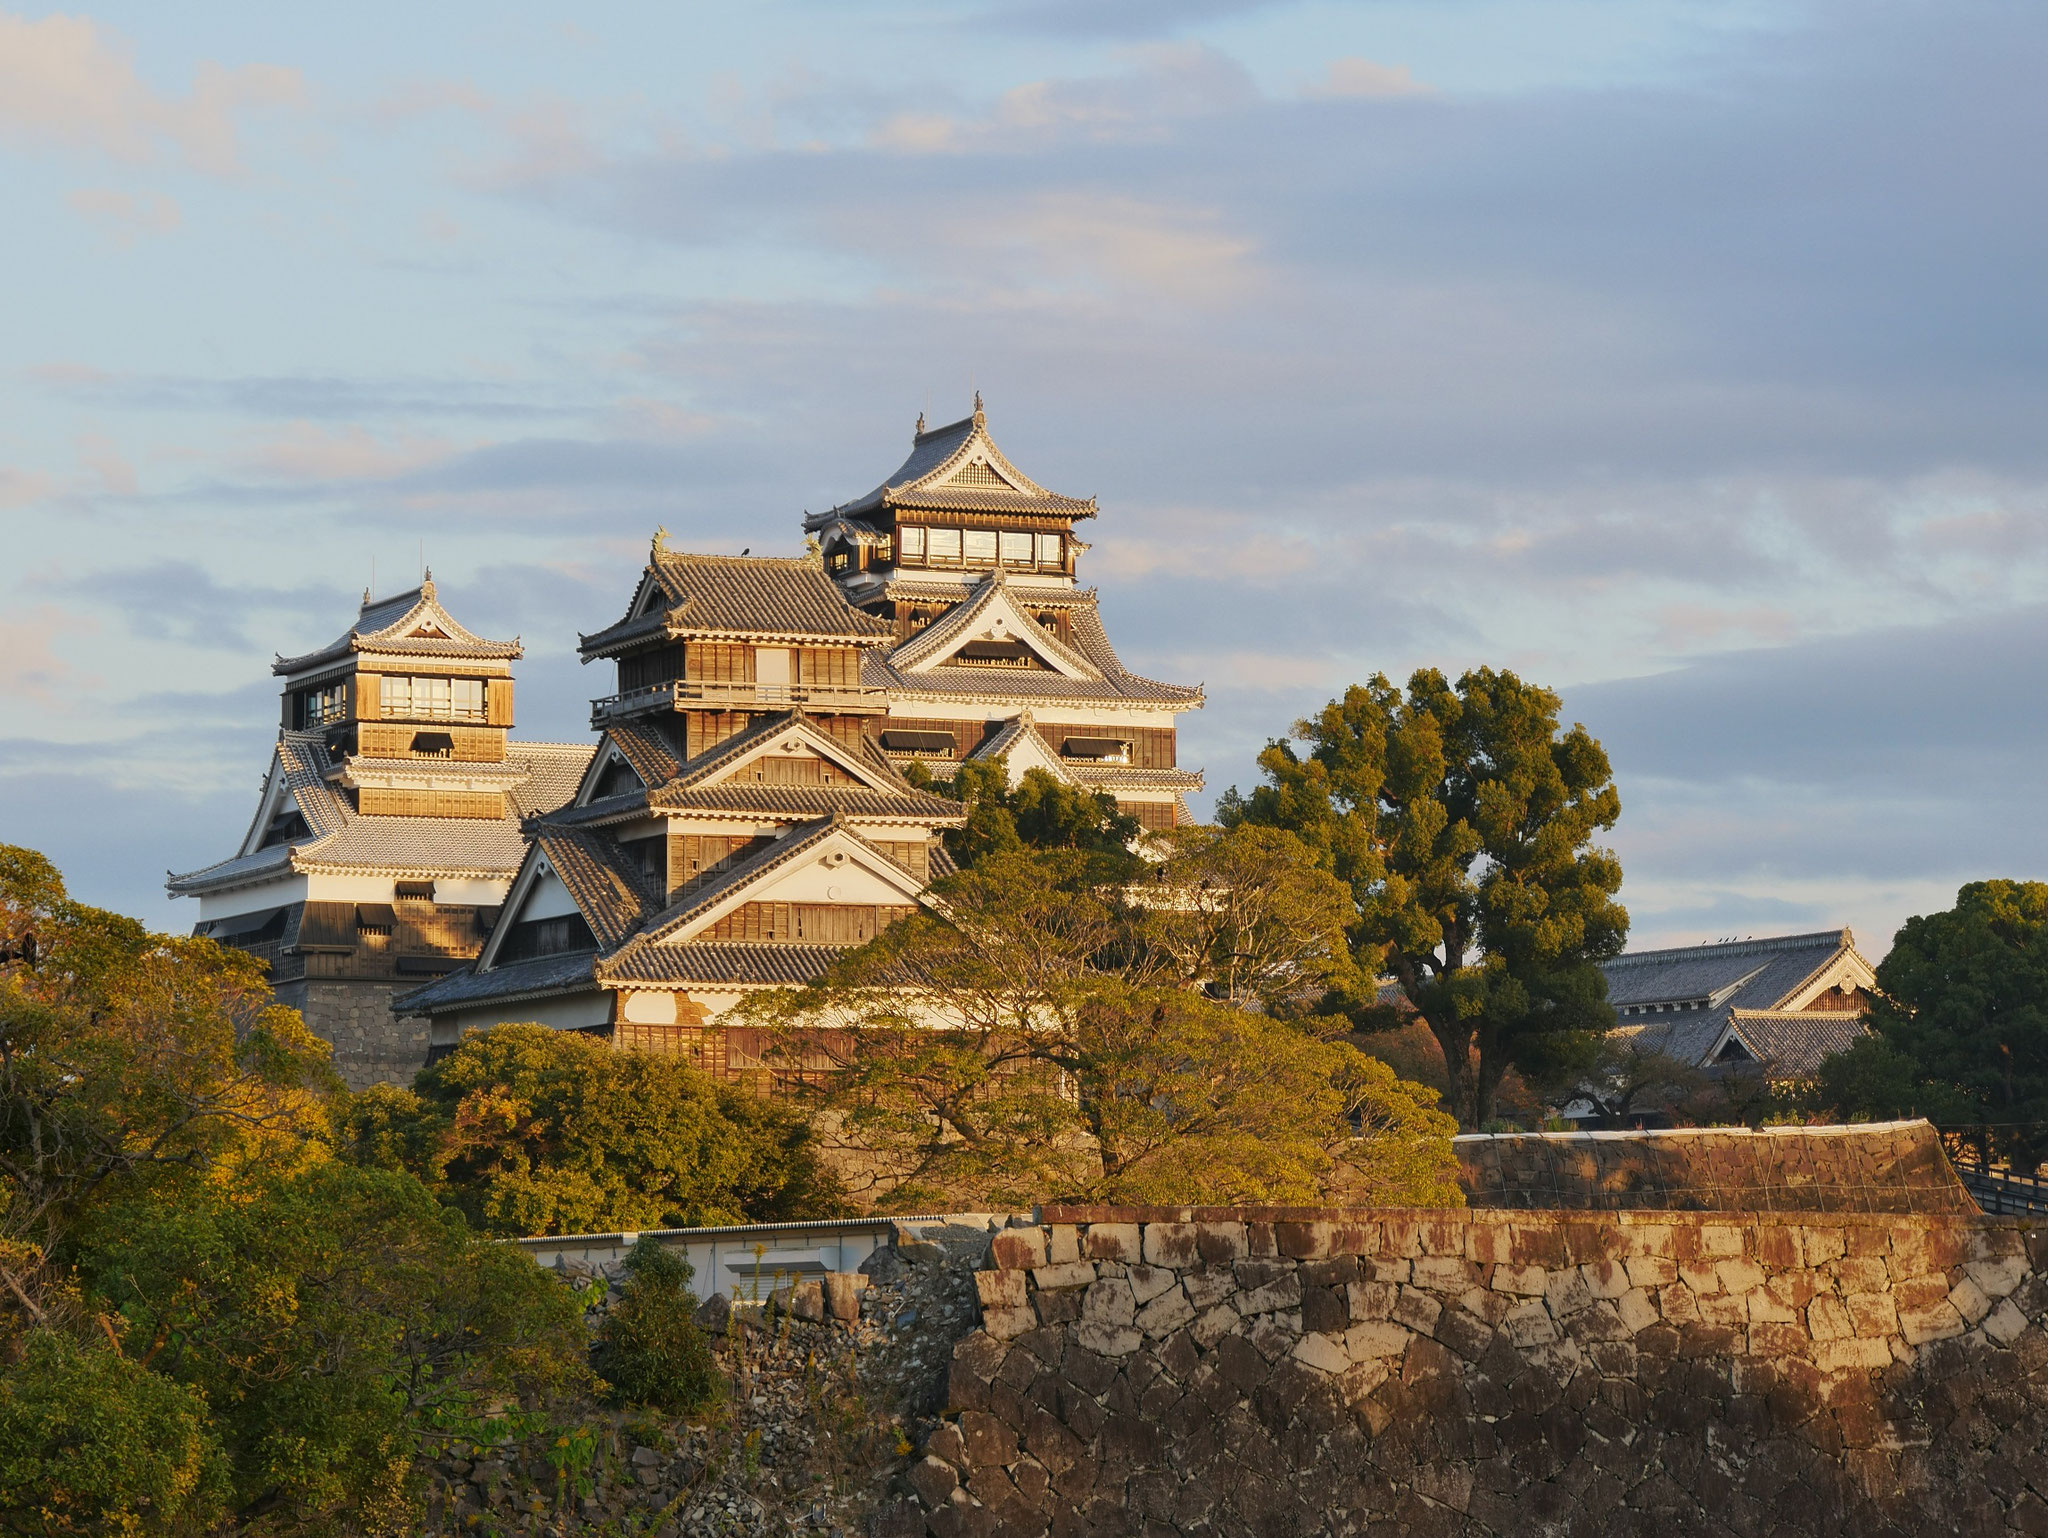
x=371 y=1045
x=1284 y=1372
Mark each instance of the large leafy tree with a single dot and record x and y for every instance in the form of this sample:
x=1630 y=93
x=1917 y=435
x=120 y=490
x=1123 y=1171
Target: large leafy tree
x=1044 y=1035
x=1038 y=812
x=1463 y=820
x=531 y=1130
x=1961 y=1022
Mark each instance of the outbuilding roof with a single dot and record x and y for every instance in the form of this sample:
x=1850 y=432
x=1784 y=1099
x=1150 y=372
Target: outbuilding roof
x=735 y=595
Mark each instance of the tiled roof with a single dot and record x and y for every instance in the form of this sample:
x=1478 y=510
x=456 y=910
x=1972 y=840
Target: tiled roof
x=1773 y=968
x=962 y=619
x=1793 y=1041
x=743 y=595
x=1123 y=777
x=802 y=837
x=609 y=889
x=540 y=978
x=915 y=590
x=386 y=626
x=933 y=477
x=653 y=745
x=341 y=839
x=1687 y=1036
x=718 y=962
x=819 y=801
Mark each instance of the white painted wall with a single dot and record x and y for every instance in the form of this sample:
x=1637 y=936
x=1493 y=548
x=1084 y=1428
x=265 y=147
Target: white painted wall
x=547 y=899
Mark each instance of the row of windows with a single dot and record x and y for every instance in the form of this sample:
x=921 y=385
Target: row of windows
x=976 y=547
x=432 y=699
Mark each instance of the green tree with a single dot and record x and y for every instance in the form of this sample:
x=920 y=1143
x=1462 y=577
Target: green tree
x=1040 y=812
x=531 y=1130
x=1462 y=819
x=1961 y=1018
x=130 y=1060
x=93 y=1442
x=330 y=1320
x=1038 y=1038
x=650 y=1349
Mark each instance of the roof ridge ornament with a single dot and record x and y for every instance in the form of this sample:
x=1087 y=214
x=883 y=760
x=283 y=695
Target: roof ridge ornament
x=919 y=432
x=659 y=546
x=980 y=418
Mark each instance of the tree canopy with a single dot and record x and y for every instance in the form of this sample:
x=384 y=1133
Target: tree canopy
x=1039 y=812
x=531 y=1130
x=1961 y=1023
x=1462 y=819
x=1045 y=1035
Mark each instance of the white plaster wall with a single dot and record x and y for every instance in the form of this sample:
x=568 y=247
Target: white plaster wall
x=547 y=899
x=568 y=1013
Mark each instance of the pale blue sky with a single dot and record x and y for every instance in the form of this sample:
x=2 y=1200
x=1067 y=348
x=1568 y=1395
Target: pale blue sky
x=1688 y=357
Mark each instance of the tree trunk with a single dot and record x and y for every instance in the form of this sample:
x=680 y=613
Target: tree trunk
x=1455 y=1038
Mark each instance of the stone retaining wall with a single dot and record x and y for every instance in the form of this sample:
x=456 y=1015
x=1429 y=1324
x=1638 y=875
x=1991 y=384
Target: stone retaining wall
x=1285 y=1372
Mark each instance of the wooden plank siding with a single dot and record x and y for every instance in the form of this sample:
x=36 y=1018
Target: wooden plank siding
x=805 y=923
x=472 y=744
x=695 y=858
x=374 y=801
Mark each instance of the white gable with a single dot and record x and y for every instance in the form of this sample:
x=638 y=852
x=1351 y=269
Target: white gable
x=838 y=870
x=999 y=619
x=797 y=741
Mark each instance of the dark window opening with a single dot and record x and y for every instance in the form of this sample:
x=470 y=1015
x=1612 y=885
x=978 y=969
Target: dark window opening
x=1000 y=654
x=423 y=889
x=649 y=856
x=1734 y=1052
x=532 y=938
x=375 y=919
x=433 y=745
x=618 y=779
x=920 y=742
x=1113 y=749
x=285 y=827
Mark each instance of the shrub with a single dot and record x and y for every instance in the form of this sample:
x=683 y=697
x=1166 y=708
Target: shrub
x=650 y=1348
x=93 y=1442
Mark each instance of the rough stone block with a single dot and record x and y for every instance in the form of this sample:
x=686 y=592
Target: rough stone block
x=933 y=1480
x=1376 y=1338
x=1490 y=1306
x=1109 y=1303
x=1008 y=1323
x=1872 y=1313
x=1724 y=1312
x=1918 y=1293
x=1821 y=1245
x=1773 y=1339
x=1321 y=1352
x=1370 y=1300
x=1566 y=1292
x=1417 y=1310
x=1487 y=1243
x=1719 y=1241
x=1170 y=1244
x=1997 y=1278
x=1700 y=1276
x=1165 y=1314
x=2005 y=1323
x=1214 y=1325
x=1207 y=1288
x=1442 y=1273
x=1285 y=1292
x=1851 y=1355
x=1019 y=1249
x=1529 y=1324
x=1919 y=1326
x=1636 y=1310
x=1678 y=1304
x=1072 y=1273
x=1650 y=1271
x=1107 y=1339
x=1968 y=1299
x=1765 y=1308
x=1147 y=1282
x=1739 y=1276
x=1525 y=1281
x=1113 y=1241
x=989 y=1443
x=842 y=1295
x=1062 y=1244
x=1606 y=1278
x=1862 y=1274
x=1221 y=1243
x=1000 y=1289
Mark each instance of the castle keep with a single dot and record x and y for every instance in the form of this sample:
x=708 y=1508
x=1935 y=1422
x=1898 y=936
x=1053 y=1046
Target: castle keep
x=743 y=817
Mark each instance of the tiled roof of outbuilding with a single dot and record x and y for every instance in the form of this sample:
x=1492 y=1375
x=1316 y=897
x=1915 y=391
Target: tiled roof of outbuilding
x=540 y=978
x=611 y=892
x=1768 y=970
x=1793 y=1041
x=387 y=625
x=720 y=962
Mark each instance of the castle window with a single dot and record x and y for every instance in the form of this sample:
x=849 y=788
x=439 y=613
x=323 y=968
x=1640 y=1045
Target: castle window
x=433 y=699
x=945 y=545
x=547 y=937
x=840 y=560
x=1016 y=549
x=326 y=705
x=980 y=547
x=1048 y=549
x=911 y=537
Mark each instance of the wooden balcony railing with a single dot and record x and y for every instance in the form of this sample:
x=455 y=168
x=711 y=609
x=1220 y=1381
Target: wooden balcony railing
x=684 y=693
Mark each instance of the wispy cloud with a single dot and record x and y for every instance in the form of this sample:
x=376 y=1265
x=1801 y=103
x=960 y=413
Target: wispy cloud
x=67 y=82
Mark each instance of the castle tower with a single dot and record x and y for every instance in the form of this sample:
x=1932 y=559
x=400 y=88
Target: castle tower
x=737 y=828
x=388 y=829
x=994 y=649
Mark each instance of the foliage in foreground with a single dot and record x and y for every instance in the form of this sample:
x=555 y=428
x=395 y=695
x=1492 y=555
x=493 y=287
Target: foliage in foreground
x=1961 y=1024
x=531 y=1130
x=650 y=1349
x=1144 y=1042
x=1462 y=819
x=205 y=1319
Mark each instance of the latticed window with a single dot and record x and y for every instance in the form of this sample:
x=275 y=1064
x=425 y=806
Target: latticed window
x=433 y=699
x=327 y=704
x=1016 y=549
